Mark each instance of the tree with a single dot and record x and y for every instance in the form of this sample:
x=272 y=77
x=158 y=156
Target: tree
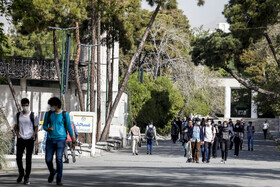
x=154 y=99
x=37 y=15
x=131 y=65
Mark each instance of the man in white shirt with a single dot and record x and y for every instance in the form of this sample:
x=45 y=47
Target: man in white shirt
x=265 y=128
x=26 y=128
x=209 y=136
x=136 y=137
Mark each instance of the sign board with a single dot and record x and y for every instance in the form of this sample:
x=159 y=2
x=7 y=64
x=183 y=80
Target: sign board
x=85 y=123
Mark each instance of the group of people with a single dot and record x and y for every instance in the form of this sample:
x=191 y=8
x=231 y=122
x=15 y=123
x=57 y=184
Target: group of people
x=136 y=139
x=57 y=124
x=207 y=137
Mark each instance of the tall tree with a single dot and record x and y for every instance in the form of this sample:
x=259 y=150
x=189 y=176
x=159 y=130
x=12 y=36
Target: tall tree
x=92 y=73
x=98 y=69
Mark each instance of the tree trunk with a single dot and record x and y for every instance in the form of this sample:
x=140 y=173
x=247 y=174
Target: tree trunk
x=76 y=69
x=129 y=70
x=98 y=133
x=272 y=49
x=10 y=82
x=92 y=71
x=110 y=98
x=244 y=83
x=109 y=74
x=56 y=62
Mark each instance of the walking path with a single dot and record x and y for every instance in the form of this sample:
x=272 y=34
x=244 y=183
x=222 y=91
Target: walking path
x=166 y=167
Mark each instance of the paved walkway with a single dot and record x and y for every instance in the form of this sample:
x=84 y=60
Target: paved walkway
x=166 y=167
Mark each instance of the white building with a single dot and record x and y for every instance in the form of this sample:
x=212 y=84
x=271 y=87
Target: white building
x=37 y=80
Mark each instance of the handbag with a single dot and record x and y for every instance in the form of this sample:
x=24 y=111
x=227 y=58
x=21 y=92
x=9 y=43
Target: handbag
x=139 y=143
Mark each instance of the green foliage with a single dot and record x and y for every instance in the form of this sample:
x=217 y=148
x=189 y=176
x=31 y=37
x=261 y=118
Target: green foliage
x=154 y=99
x=37 y=15
x=250 y=19
x=215 y=50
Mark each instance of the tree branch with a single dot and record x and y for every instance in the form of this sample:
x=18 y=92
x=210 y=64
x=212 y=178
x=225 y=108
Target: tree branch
x=272 y=48
x=244 y=83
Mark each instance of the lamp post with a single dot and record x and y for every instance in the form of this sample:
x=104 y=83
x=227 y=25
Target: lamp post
x=88 y=79
x=62 y=67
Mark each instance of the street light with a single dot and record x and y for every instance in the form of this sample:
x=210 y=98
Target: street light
x=88 y=81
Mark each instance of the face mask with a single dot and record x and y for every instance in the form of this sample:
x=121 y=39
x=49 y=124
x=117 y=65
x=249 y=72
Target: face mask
x=209 y=123
x=25 y=108
x=52 y=109
x=225 y=125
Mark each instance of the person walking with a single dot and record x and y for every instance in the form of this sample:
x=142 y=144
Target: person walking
x=174 y=131
x=230 y=124
x=237 y=139
x=225 y=133
x=187 y=134
x=26 y=129
x=180 y=125
x=69 y=144
x=242 y=126
x=216 y=140
x=197 y=139
x=150 y=135
x=250 y=136
x=265 y=128
x=209 y=136
x=136 y=137
x=56 y=123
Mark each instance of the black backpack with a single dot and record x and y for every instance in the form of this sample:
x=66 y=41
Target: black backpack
x=150 y=133
x=32 y=120
x=64 y=118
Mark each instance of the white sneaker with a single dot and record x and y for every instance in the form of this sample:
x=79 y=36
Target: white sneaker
x=222 y=161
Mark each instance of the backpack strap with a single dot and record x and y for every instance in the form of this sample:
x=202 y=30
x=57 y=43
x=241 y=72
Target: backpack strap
x=32 y=119
x=49 y=117
x=18 y=121
x=64 y=118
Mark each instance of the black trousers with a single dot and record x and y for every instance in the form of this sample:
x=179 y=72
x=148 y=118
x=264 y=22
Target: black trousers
x=224 y=148
x=264 y=133
x=215 y=147
x=236 y=145
x=21 y=146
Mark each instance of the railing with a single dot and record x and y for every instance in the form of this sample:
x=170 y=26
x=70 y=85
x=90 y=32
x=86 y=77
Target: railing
x=37 y=69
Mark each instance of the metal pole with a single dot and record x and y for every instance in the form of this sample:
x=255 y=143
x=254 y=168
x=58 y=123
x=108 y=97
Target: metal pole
x=62 y=71
x=88 y=83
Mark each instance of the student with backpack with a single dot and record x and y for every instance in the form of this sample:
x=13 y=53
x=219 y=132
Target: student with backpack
x=150 y=135
x=56 y=123
x=26 y=129
x=250 y=136
x=197 y=139
x=187 y=134
x=209 y=135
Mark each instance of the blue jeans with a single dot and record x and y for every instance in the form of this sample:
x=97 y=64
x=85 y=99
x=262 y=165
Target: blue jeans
x=55 y=146
x=150 y=143
x=250 y=139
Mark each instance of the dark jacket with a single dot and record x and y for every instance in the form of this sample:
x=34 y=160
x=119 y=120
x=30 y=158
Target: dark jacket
x=225 y=133
x=187 y=135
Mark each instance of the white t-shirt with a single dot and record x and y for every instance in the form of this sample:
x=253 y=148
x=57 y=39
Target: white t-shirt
x=265 y=126
x=208 y=134
x=25 y=125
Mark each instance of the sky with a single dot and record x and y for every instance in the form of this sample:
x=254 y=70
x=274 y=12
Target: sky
x=208 y=15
